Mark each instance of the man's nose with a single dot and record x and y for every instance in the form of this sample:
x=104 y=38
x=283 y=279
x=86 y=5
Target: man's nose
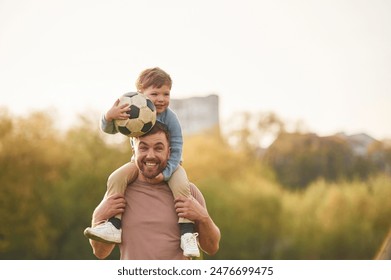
x=150 y=153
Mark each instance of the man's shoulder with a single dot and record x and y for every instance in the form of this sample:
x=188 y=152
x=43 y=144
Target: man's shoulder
x=194 y=187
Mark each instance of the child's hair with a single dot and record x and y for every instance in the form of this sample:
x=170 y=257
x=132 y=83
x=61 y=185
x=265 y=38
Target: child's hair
x=153 y=77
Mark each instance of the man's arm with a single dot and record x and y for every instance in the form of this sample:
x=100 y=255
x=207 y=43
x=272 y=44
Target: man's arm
x=109 y=207
x=209 y=233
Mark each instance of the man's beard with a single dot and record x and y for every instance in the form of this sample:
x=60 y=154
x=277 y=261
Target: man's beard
x=150 y=173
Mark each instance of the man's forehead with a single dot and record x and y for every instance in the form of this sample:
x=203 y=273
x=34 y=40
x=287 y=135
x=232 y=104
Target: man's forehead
x=153 y=139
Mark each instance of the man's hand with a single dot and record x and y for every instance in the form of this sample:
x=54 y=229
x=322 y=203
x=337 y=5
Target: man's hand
x=109 y=207
x=209 y=233
x=191 y=209
x=117 y=112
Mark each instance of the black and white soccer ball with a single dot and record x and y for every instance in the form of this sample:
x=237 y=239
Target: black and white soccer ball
x=142 y=115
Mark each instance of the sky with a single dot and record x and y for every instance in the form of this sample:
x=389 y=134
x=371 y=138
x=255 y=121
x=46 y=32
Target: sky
x=324 y=63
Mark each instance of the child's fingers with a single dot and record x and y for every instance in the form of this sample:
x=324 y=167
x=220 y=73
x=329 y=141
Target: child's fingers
x=124 y=106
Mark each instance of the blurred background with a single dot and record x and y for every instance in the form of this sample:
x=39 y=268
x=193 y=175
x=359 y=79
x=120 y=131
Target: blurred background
x=288 y=135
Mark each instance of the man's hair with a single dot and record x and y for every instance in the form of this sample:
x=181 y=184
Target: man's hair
x=155 y=77
x=158 y=127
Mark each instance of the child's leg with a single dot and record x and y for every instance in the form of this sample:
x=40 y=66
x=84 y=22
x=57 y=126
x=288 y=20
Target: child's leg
x=110 y=231
x=120 y=179
x=179 y=185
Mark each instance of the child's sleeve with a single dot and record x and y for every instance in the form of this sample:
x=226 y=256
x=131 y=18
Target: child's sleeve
x=176 y=142
x=107 y=127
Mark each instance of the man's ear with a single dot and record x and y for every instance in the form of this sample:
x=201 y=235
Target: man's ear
x=132 y=144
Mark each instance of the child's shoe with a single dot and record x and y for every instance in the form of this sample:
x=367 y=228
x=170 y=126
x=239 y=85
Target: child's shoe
x=104 y=232
x=189 y=245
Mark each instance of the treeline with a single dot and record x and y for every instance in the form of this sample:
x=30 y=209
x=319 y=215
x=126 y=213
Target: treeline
x=300 y=158
x=261 y=219
x=51 y=181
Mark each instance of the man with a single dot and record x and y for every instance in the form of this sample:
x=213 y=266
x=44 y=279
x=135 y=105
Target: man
x=149 y=222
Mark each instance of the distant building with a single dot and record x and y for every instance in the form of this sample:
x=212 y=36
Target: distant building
x=197 y=114
x=358 y=142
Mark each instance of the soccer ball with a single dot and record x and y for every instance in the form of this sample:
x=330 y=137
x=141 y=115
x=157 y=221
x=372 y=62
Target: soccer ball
x=142 y=115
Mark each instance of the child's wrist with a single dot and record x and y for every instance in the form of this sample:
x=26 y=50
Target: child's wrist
x=108 y=118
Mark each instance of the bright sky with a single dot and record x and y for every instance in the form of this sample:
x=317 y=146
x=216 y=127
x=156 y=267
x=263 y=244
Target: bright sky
x=326 y=63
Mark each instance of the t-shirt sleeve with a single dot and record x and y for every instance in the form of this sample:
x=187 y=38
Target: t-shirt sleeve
x=196 y=193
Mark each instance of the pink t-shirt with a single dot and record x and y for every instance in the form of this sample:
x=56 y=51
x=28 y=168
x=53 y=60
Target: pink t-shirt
x=150 y=229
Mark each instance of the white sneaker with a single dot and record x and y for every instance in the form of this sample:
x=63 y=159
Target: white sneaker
x=104 y=232
x=189 y=245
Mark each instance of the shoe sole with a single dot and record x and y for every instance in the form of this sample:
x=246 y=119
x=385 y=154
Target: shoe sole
x=100 y=239
x=192 y=256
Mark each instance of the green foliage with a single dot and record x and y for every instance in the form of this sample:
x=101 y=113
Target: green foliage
x=51 y=181
x=337 y=221
x=260 y=220
x=299 y=159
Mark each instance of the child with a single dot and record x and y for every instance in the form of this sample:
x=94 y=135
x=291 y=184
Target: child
x=156 y=85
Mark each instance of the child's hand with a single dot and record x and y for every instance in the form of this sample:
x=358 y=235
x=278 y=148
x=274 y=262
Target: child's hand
x=160 y=178
x=117 y=112
x=157 y=180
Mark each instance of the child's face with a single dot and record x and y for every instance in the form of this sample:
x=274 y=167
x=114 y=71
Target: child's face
x=159 y=96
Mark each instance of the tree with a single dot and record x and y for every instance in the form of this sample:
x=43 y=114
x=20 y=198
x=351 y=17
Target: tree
x=299 y=159
x=51 y=182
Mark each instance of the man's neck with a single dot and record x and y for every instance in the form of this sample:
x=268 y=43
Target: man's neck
x=151 y=181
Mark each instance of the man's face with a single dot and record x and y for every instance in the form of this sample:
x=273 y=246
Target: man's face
x=151 y=154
